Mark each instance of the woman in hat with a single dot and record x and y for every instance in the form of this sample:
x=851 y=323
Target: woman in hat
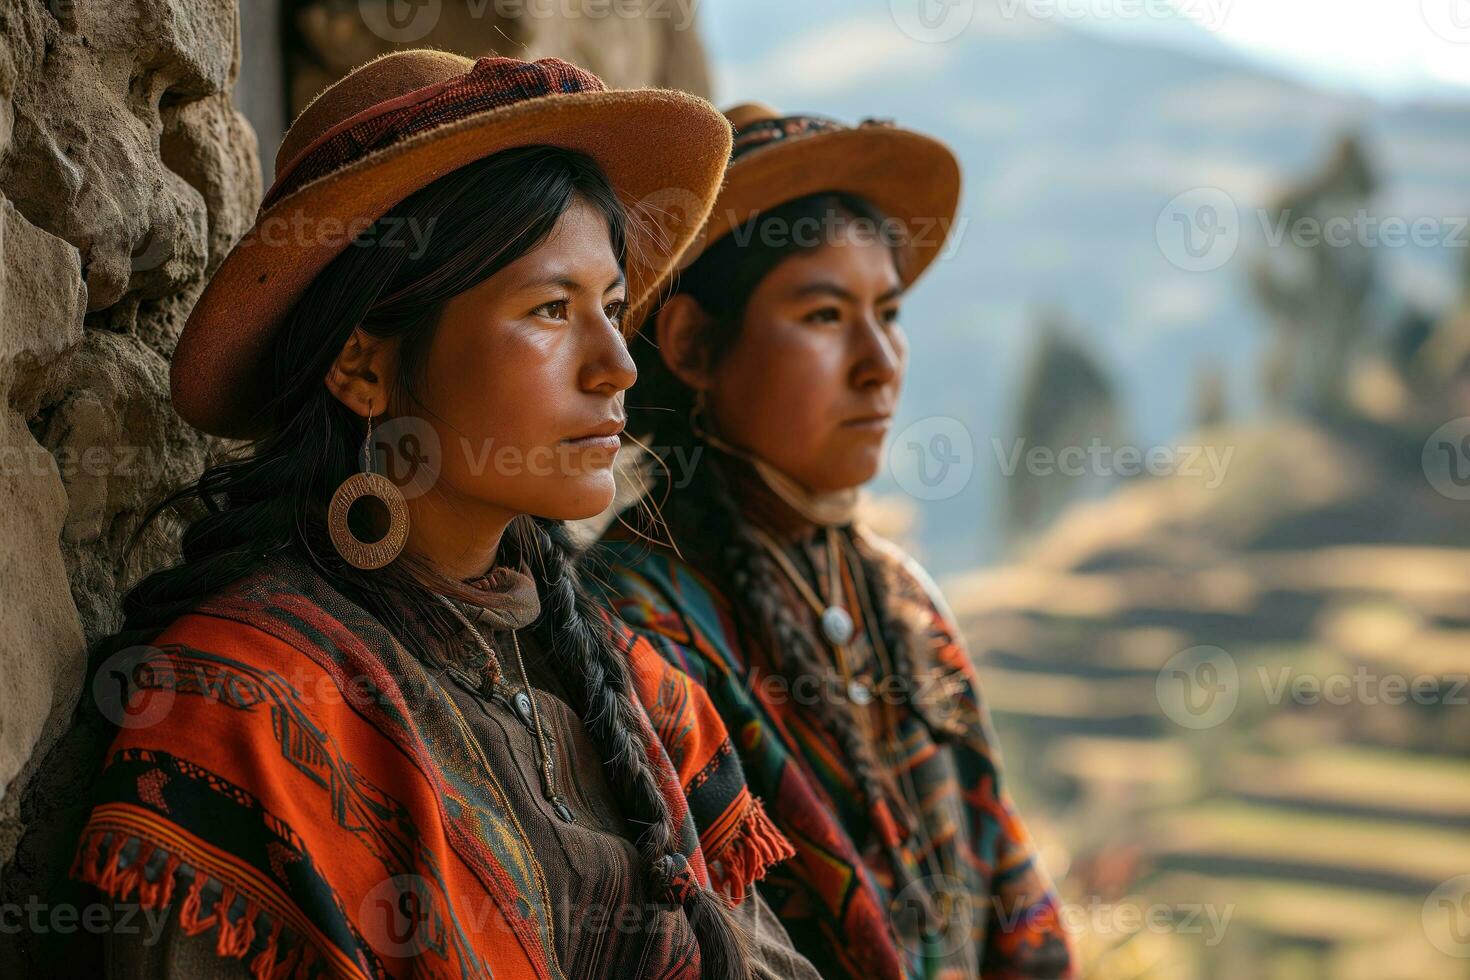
x=373 y=725
x=766 y=387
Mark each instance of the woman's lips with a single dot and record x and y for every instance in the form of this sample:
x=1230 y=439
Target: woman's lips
x=610 y=444
x=603 y=437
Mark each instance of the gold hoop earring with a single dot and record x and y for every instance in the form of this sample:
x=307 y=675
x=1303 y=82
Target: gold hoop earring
x=368 y=555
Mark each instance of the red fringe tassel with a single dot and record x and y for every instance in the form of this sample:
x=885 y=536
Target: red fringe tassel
x=283 y=958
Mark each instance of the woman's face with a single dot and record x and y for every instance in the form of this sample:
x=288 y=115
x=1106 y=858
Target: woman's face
x=524 y=380
x=812 y=380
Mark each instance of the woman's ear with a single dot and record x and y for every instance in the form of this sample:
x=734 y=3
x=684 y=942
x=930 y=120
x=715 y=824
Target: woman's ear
x=682 y=332
x=359 y=376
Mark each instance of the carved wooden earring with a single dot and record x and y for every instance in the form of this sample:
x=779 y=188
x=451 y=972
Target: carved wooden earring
x=368 y=555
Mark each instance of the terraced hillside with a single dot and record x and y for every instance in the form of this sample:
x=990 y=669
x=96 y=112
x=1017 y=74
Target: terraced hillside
x=1243 y=711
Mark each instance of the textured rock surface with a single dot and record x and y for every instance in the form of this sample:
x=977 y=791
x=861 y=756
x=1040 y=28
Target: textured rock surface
x=126 y=174
x=625 y=42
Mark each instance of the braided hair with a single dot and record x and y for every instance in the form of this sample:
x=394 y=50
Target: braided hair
x=717 y=536
x=580 y=643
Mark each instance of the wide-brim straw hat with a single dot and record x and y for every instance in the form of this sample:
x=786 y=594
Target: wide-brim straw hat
x=392 y=127
x=778 y=158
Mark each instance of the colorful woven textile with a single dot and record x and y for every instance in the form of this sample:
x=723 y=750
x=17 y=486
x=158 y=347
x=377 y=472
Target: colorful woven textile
x=288 y=776
x=836 y=896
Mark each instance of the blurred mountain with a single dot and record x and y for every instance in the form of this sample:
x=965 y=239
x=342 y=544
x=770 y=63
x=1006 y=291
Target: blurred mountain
x=1074 y=144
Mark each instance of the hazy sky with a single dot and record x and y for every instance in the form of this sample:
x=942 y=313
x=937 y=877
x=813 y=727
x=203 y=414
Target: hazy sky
x=1389 y=48
x=1393 y=47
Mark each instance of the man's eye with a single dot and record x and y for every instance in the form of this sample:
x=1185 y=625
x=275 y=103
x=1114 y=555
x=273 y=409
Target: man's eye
x=890 y=316
x=555 y=310
x=827 y=314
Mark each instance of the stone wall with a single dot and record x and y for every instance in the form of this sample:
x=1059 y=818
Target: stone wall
x=126 y=173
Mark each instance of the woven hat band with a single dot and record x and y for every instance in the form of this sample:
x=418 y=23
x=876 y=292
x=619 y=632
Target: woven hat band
x=492 y=83
x=765 y=132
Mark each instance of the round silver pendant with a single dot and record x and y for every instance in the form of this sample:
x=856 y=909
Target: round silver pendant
x=836 y=625
x=521 y=702
x=858 y=693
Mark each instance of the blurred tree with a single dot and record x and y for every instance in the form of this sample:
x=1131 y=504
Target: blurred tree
x=1066 y=405
x=1315 y=281
x=1211 y=397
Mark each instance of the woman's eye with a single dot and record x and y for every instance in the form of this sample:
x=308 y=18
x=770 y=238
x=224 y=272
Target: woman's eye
x=616 y=310
x=827 y=314
x=890 y=316
x=555 y=310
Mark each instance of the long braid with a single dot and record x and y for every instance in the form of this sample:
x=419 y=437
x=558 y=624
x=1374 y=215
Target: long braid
x=572 y=630
x=728 y=548
x=901 y=635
